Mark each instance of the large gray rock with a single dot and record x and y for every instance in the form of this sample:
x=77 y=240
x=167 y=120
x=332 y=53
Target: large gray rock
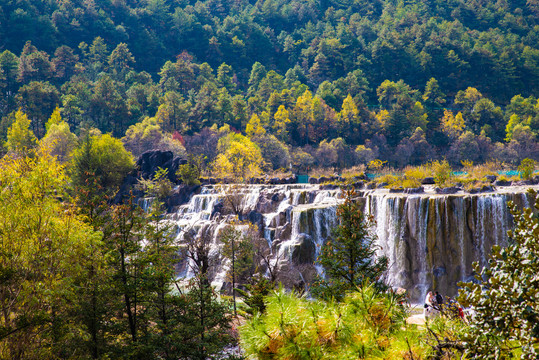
x=447 y=190
x=502 y=183
x=491 y=178
x=303 y=252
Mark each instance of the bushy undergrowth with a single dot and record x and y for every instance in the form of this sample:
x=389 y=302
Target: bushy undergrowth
x=469 y=176
x=368 y=324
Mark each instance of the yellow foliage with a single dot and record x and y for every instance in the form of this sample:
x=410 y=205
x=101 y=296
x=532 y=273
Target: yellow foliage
x=376 y=164
x=417 y=172
x=382 y=117
x=514 y=120
x=282 y=119
x=55 y=118
x=349 y=113
x=45 y=244
x=239 y=158
x=254 y=127
x=452 y=126
x=418 y=116
x=20 y=139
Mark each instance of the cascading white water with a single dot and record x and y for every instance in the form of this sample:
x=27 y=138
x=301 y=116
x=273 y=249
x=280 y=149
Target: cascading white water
x=491 y=223
x=423 y=220
x=279 y=207
x=389 y=232
x=460 y=213
x=430 y=240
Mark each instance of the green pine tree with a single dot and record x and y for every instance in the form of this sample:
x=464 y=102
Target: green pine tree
x=349 y=257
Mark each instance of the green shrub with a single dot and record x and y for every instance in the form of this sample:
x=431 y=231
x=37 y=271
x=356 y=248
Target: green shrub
x=504 y=295
x=368 y=324
x=391 y=180
x=160 y=186
x=526 y=168
x=442 y=172
x=190 y=173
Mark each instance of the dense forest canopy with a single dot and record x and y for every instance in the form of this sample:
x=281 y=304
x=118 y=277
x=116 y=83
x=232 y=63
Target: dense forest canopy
x=236 y=89
x=332 y=82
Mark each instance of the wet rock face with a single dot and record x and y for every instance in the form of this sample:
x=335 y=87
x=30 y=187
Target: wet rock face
x=304 y=251
x=151 y=161
x=432 y=241
x=146 y=167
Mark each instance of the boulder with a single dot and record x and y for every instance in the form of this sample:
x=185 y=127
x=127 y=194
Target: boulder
x=382 y=185
x=417 y=190
x=487 y=188
x=217 y=208
x=290 y=180
x=150 y=161
x=328 y=187
x=283 y=232
x=358 y=185
x=146 y=167
x=502 y=183
x=491 y=178
x=181 y=195
x=447 y=190
x=314 y=181
x=361 y=177
x=524 y=182
x=255 y=218
x=428 y=181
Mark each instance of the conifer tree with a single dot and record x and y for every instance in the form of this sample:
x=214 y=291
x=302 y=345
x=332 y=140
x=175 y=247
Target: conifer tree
x=505 y=295
x=349 y=257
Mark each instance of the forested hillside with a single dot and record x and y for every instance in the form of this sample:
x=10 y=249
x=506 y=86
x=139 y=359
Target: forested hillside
x=326 y=83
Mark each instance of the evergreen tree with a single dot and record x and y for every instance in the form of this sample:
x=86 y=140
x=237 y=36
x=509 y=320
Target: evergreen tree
x=349 y=257
x=505 y=296
x=238 y=248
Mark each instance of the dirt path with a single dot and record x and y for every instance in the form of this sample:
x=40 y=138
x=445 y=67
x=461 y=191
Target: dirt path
x=417 y=319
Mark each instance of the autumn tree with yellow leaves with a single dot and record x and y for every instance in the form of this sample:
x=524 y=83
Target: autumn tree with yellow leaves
x=238 y=158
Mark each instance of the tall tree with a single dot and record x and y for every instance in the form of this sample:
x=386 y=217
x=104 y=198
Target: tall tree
x=44 y=246
x=349 y=256
x=120 y=61
x=20 y=139
x=504 y=296
x=238 y=248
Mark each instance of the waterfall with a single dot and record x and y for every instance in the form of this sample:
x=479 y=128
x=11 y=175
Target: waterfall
x=430 y=240
x=460 y=214
x=422 y=249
